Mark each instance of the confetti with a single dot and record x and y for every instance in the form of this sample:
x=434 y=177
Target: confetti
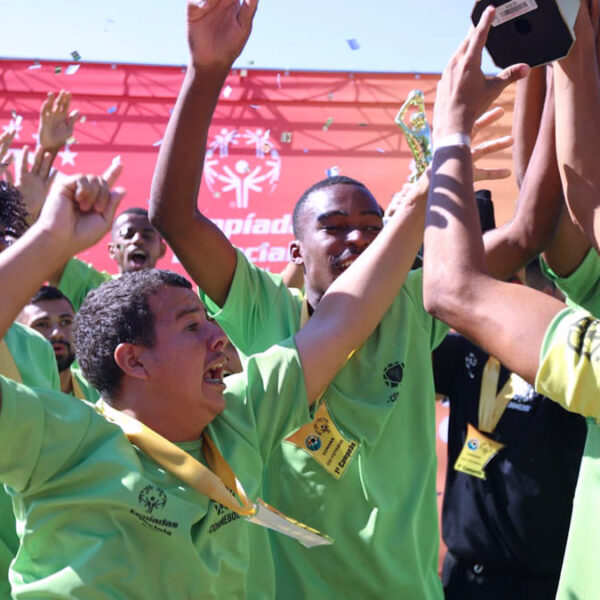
x=255 y=106
x=76 y=55
x=286 y=137
x=113 y=66
x=72 y=69
x=380 y=150
x=57 y=69
x=250 y=62
x=354 y=45
x=156 y=144
x=333 y=171
x=83 y=119
x=70 y=141
x=243 y=72
x=217 y=194
x=279 y=80
x=328 y=124
x=330 y=96
x=363 y=124
x=227 y=91
x=305 y=150
x=35 y=65
x=111 y=110
x=13 y=114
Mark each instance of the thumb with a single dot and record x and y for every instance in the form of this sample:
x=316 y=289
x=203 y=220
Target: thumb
x=512 y=74
x=116 y=196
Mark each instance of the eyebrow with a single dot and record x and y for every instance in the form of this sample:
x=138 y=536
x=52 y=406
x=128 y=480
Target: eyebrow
x=343 y=213
x=187 y=311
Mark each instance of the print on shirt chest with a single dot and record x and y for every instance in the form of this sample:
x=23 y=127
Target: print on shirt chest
x=152 y=511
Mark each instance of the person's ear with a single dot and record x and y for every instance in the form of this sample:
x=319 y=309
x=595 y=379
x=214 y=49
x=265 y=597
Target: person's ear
x=163 y=248
x=129 y=359
x=112 y=249
x=295 y=249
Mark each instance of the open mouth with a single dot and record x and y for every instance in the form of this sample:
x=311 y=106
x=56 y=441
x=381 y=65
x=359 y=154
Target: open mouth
x=214 y=375
x=60 y=348
x=138 y=257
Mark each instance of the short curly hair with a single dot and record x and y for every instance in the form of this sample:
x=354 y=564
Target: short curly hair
x=13 y=214
x=118 y=312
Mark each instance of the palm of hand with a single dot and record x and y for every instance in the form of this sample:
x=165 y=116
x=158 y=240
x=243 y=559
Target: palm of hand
x=215 y=34
x=55 y=131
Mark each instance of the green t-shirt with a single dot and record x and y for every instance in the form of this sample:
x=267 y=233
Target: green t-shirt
x=569 y=373
x=582 y=287
x=36 y=363
x=82 y=495
x=382 y=513
x=90 y=393
x=579 y=579
x=79 y=279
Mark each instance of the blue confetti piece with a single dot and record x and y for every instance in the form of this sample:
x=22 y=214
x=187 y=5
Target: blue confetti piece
x=354 y=45
x=112 y=110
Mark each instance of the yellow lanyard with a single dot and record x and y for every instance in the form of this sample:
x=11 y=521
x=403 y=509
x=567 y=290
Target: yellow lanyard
x=492 y=404
x=182 y=465
x=77 y=391
x=8 y=367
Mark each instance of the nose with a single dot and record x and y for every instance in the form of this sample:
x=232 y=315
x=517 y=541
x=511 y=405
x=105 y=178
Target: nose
x=358 y=237
x=218 y=338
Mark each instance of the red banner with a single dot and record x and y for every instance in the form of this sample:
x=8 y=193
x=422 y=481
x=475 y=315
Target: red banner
x=273 y=135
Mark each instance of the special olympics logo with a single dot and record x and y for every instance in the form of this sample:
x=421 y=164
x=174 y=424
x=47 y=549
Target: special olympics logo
x=473 y=444
x=152 y=497
x=225 y=174
x=313 y=442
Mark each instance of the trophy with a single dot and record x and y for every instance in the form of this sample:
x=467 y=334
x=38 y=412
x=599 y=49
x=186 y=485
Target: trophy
x=529 y=31
x=416 y=131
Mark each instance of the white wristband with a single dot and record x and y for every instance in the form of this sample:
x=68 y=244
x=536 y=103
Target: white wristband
x=454 y=139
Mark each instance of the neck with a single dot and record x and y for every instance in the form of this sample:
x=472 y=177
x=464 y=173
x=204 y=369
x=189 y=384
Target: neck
x=159 y=416
x=66 y=383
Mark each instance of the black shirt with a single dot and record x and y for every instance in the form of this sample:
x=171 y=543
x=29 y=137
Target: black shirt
x=518 y=517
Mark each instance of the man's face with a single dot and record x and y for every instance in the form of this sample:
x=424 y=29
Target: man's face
x=54 y=320
x=135 y=243
x=187 y=360
x=337 y=224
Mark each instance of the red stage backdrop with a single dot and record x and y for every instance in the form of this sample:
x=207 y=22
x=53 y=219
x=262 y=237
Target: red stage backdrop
x=273 y=135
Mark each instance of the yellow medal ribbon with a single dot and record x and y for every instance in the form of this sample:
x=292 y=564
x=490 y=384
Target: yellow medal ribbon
x=77 y=391
x=8 y=367
x=182 y=465
x=491 y=403
x=212 y=485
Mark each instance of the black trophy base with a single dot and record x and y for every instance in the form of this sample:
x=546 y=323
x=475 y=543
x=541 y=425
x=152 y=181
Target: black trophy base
x=537 y=37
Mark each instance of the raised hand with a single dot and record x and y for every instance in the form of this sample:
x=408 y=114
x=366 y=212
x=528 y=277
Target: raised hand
x=218 y=30
x=35 y=182
x=5 y=161
x=56 y=123
x=464 y=92
x=80 y=209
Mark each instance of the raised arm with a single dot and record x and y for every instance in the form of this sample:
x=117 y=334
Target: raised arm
x=356 y=301
x=577 y=89
x=217 y=32
x=509 y=321
x=534 y=223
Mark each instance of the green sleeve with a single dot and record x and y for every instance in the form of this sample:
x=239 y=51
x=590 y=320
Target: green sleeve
x=569 y=370
x=259 y=311
x=270 y=394
x=79 y=279
x=33 y=356
x=582 y=287
x=40 y=432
